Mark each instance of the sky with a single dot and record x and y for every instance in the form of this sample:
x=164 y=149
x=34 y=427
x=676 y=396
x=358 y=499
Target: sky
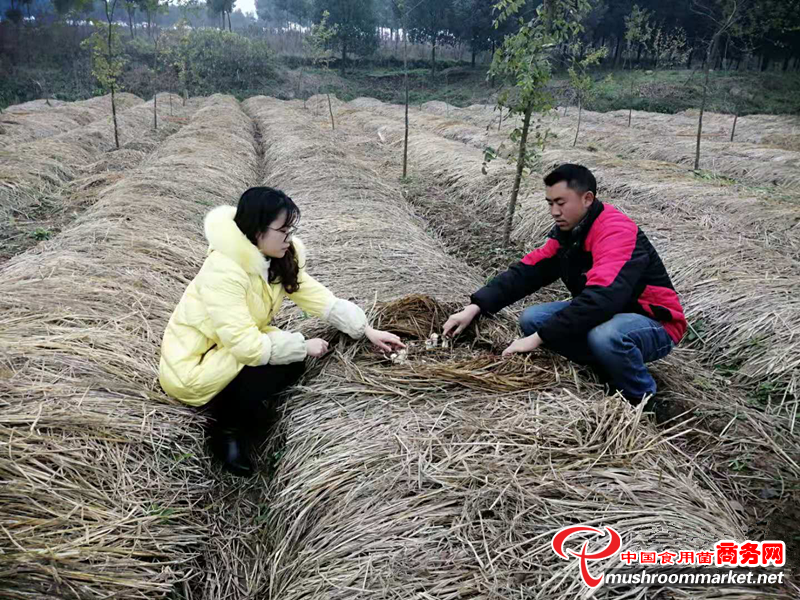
x=246 y=6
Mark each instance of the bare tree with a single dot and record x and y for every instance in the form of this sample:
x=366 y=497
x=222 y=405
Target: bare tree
x=724 y=15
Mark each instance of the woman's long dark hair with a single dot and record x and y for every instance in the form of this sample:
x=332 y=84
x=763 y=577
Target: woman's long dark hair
x=258 y=208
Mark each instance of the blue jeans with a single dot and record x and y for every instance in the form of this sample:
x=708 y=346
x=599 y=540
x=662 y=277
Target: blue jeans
x=620 y=347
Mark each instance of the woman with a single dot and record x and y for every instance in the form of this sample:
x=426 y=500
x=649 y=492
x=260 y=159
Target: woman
x=219 y=350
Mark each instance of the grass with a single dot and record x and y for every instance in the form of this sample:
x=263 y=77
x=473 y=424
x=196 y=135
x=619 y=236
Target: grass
x=678 y=90
x=40 y=234
x=665 y=91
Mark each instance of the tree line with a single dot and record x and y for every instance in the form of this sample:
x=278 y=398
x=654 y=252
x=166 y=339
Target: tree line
x=765 y=36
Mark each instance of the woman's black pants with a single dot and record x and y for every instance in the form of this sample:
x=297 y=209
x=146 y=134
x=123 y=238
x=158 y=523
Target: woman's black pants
x=249 y=403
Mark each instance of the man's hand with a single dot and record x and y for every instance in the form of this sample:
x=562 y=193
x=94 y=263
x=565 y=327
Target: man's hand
x=460 y=320
x=526 y=344
x=384 y=340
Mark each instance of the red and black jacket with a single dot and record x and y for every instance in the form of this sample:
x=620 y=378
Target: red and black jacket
x=608 y=265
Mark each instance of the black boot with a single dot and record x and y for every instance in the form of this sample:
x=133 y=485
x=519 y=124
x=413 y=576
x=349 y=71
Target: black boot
x=666 y=410
x=231 y=449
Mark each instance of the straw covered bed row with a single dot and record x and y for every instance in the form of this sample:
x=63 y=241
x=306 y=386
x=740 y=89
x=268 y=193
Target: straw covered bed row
x=733 y=288
x=716 y=204
x=397 y=481
x=32 y=121
x=32 y=171
x=106 y=489
x=731 y=428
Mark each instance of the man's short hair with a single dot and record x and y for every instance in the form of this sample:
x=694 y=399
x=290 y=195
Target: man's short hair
x=578 y=178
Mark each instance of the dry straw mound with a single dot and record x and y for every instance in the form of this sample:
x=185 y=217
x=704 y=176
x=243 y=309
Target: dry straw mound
x=33 y=170
x=751 y=129
x=47 y=180
x=760 y=159
x=19 y=124
x=702 y=262
x=754 y=164
x=35 y=105
x=105 y=485
x=716 y=204
x=725 y=428
x=431 y=477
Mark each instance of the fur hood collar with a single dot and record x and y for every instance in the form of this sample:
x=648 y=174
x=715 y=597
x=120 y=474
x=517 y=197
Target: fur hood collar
x=225 y=236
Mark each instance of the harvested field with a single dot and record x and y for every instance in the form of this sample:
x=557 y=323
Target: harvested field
x=32 y=121
x=47 y=181
x=751 y=163
x=778 y=131
x=700 y=262
x=710 y=397
x=107 y=490
x=760 y=214
x=441 y=474
x=772 y=159
x=401 y=480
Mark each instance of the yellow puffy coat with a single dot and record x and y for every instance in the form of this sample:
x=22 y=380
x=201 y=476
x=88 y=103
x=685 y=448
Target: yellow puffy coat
x=222 y=322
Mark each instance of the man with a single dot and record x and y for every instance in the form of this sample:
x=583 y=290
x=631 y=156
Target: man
x=624 y=310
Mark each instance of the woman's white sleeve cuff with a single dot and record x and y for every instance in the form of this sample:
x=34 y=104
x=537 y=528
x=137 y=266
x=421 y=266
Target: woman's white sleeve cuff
x=347 y=318
x=287 y=347
x=266 y=350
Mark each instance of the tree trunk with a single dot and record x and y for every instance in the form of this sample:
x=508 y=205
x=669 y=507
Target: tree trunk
x=330 y=109
x=786 y=61
x=155 y=85
x=689 y=59
x=617 y=52
x=130 y=22
x=765 y=62
x=709 y=58
x=230 y=27
x=735 y=118
x=344 y=56
x=114 y=116
x=512 y=202
x=474 y=52
x=577 y=131
x=113 y=95
x=491 y=79
x=639 y=56
x=405 y=78
x=725 y=54
x=433 y=59
x=630 y=106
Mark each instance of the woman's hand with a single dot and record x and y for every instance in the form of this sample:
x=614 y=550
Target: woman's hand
x=526 y=344
x=384 y=340
x=316 y=347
